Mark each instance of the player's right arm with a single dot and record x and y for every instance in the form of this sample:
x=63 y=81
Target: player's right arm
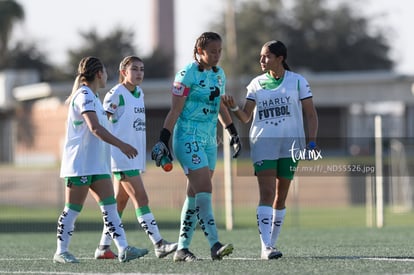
x=177 y=105
x=102 y=133
x=161 y=148
x=244 y=114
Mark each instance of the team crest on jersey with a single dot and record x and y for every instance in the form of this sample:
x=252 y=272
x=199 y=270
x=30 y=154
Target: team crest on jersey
x=219 y=80
x=195 y=159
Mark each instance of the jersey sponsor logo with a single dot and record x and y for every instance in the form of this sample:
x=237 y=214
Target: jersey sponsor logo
x=180 y=89
x=207 y=111
x=139 y=110
x=274 y=101
x=274 y=112
x=139 y=125
x=274 y=107
x=87 y=102
x=215 y=92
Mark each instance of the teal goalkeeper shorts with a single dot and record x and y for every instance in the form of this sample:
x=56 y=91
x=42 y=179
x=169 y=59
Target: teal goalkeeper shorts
x=193 y=153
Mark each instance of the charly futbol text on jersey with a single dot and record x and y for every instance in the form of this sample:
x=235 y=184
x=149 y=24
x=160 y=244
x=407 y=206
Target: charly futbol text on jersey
x=274 y=107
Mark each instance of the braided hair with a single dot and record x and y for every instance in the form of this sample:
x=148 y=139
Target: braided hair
x=202 y=42
x=87 y=70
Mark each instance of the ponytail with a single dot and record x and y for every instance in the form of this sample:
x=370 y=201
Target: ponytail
x=279 y=49
x=285 y=65
x=75 y=87
x=87 y=69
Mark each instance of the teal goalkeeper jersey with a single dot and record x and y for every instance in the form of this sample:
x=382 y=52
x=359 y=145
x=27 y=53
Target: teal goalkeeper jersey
x=203 y=91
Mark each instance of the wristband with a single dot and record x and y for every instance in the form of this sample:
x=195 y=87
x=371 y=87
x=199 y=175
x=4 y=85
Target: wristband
x=312 y=145
x=234 y=109
x=232 y=129
x=165 y=136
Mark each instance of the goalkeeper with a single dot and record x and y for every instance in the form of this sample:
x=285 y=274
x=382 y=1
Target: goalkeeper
x=196 y=108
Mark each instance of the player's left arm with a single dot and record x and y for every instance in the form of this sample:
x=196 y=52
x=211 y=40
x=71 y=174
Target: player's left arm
x=311 y=117
x=226 y=120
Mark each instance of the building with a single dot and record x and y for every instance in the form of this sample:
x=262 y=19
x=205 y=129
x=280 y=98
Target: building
x=346 y=105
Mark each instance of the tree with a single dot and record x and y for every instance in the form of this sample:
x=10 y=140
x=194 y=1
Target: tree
x=28 y=56
x=111 y=49
x=158 y=65
x=319 y=37
x=10 y=13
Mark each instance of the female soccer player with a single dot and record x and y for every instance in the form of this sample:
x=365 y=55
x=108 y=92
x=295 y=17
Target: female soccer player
x=275 y=99
x=86 y=163
x=125 y=107
x=196 y=107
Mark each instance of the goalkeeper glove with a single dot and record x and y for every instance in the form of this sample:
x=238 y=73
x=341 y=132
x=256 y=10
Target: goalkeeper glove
x=234 y=140
x=161 y=148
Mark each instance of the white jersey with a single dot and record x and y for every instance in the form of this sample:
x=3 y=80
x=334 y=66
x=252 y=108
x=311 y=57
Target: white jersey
x=128 y=124
x=277 y=125
x=84 y=154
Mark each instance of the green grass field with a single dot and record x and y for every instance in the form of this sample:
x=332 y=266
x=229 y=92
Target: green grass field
x=314 y=241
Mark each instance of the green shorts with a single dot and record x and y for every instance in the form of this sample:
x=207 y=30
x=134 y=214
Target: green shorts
x=120 y=175
x=85 y=180
x=285 y=167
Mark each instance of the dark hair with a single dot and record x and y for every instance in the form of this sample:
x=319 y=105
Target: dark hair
x=88 y=68
x=202 y=42
x=125 y=62
x=279 y=49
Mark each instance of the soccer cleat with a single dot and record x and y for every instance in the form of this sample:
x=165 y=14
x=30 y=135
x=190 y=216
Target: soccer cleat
x=271 y=253
x=131 y=253
x=184 y=255
x=164 y=248
x=103 y=254
x=64 y=258
x=218 y=251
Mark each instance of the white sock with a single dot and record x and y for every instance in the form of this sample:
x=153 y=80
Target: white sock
x=65 y=228
x=106 y=239
x=264 y=223
x=148 y=223
x=278 y=219
x=114 y=226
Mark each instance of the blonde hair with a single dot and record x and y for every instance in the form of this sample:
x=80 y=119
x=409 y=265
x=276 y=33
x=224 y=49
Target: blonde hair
x=125 y=62
x=87 y=70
